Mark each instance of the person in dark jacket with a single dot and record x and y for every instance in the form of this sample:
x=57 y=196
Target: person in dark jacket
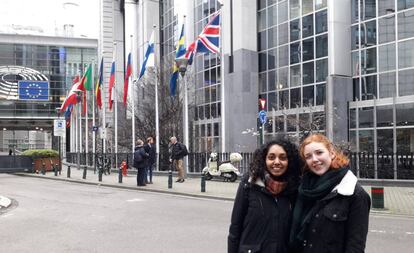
x=332 y=210
x=260 y=221
x=150 y=149
x=178 y=151
x=140 y=162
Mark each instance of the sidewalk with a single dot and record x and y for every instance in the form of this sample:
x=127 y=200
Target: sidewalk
x=397 y=200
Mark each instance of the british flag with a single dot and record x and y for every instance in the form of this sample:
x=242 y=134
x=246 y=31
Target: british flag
x=209 y=39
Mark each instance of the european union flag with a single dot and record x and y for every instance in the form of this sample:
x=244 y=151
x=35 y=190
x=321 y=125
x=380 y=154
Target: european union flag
x=33 y=90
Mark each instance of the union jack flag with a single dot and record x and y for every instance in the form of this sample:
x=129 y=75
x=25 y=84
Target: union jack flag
x=209 y=39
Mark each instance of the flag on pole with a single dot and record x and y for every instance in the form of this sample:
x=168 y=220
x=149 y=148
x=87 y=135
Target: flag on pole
x=98 y=86
x=149 y=56
x=127 y=75
x=67 y=114
x=111 y=84
x=180 y=52
x=72 y=97
x=86 y=82
x=209 y=39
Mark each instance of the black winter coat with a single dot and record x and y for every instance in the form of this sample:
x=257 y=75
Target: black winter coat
x=142 y=164
x=177 y=151
x=150 y=149
x=260 y=222
x=341 y=224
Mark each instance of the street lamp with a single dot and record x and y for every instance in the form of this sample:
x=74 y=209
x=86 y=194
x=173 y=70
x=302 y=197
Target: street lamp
x=182 y=64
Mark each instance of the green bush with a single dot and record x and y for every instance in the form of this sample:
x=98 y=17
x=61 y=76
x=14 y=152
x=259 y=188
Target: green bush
x=41 y=153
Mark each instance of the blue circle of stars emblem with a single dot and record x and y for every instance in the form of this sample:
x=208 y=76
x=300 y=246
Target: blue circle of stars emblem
x=33 y=90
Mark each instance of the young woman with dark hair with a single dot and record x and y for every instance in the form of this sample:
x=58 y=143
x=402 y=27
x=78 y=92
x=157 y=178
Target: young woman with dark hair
x=332 y=209
x=260 y=220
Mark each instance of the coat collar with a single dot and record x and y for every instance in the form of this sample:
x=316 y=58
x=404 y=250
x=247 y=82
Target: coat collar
x=258 y=182
x=347 y=185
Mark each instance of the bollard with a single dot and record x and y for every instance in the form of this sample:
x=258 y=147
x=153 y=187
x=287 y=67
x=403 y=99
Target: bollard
x=84 y=172
x=43 y=170
x=170 y=179
x=68 y=173
x=56 y=170
x=377 y=195
x=120 y=175
x=203 y=182
x=100 y=172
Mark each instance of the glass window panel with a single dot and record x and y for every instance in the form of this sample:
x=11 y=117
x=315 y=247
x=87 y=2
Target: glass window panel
x=271 y=80
x=307 y=49
x=368 y=87
x=295 y=76
x=283 y=34
x=282 y=12
x=405 y=4
x=368 y=9
x=386 y=29
x=294 y=53
x=201 y=113
x=294 y=9
x=406 y=54
x=262 y=61
x=405 y=82
x=271 y=16
x=322 y=46
x=262 y=82
x=214 y=93
x=385 y=116
x=354 y=37
x=272 y=101
x=319 y=4
x=404 y=114
x=321 y=70
x=216 y=129
x=203 y=130
x=307 y=6
x=387 y=57
x=366 y=117
x=352 y=140
x=354 y=11
x=214 y=110
x=405 y=24
x=208 y=130
x=207 y=111
x=261 y=4
x=207 y=95
x=262 y=20
x=385 y=7
x=318 y=121
x=272 y=37
x=352 y=118
x=308 y=96
x=291 y=123
x=294 y=30
x=405 y=140
x=261 y=41
x=321 y=22
x=387 y=85
x=368 y=34
x=307 y=26
x=271 y=59
x=283 y=78
x=283 y=56
x=366 y=141
x=355 y=89
x=304 y=122
x=283 y=99
x=308 y=76
x=355 y=63
x=369 y=60
x=320 y=94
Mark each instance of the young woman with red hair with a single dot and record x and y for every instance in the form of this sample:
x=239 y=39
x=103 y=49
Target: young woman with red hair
x=332 y=210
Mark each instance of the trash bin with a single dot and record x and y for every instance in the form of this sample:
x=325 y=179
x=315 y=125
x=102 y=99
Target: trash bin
x=377 y=197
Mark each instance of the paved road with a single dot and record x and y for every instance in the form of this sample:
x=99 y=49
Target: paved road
x=56 y=216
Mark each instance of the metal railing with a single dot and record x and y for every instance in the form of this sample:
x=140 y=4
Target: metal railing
x=364 y=165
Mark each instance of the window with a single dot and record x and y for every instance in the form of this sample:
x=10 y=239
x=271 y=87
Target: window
x=262 y=62
x=261 y=20
x=261 y=41
x=272 y=54
x=295 y=76
x=283 y=78
x=387 y=85
x=320 y=94
x=405 y=24
x=321 y=22
x=307 y=6
x=262 y=82
x=272 y=101
x=352 y=118
x=385 y=116
x=368 y=34
x=369 y=61
x=307 y=49
x=322 y=46
x=405 y=145
x=405 y=82
x=385 y=7
x=295 y=98
x=366 y=117
x=283 y=34
x=405 y=4
x=354 y=37
x=319 y=4
x=321 y=70
x=272 y=37
x=404 y=114
x=282 y=12
x=283 y=99
x=294 y=8
x=294 y=30
x=271 y=80
x=368 y=9
x=385 y=141
x=406 y=54
x=291 y=123
x=308 y=73
x=308 y=96
x=366 y=141
x=368 y=87
x=283 y=56
x=271 y=16
x=294 y=53
x=387 y=57
x=307 y=26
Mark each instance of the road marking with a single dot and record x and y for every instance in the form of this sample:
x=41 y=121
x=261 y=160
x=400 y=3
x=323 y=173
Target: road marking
x=378 y=231
x=409 y=233
x=391 y=232
x=135 y=200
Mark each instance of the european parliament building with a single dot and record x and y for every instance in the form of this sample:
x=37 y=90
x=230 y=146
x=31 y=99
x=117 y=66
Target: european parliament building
x=36 y=71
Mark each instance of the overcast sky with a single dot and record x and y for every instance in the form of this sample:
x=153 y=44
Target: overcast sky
x=51 y=14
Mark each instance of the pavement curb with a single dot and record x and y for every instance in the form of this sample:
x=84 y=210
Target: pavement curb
x=120 y=186
x=4 y=202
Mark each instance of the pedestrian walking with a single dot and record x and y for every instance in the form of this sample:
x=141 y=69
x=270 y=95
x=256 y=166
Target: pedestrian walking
x=332 y=209
x=151 y=150
x=140 y=162
x=177 y=153
x=260 y=221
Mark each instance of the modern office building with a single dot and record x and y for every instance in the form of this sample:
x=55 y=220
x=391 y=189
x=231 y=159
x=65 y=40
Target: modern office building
x=26 y=118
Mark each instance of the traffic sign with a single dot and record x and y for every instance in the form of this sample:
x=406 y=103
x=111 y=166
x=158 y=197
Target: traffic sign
x=262 y=116
x=59 y=127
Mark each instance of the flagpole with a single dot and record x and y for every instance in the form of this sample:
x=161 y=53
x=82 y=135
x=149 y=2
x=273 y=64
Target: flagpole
x=103 y=121
x=132 y=95
x=157 y=130
x=93 y=114
x=86 y=122
x=186 y=125
x=116 y=112
x=223 y=103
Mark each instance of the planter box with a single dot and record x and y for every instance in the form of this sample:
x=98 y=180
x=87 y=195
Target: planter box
x=49 y=161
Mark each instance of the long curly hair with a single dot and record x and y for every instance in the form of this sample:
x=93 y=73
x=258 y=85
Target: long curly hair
x=295 y=164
